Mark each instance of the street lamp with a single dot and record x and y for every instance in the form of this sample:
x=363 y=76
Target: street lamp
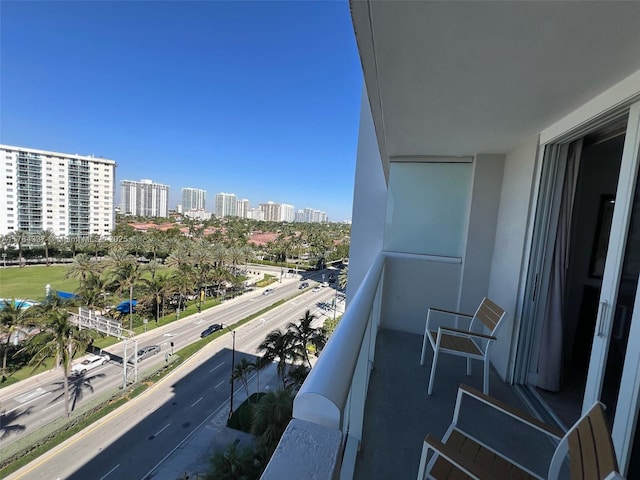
x=233 y=362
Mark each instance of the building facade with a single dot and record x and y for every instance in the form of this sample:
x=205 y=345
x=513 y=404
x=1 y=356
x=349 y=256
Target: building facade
x=243 y=208
x=144 y=198
x=271 y=211
x=68 y=194
x=194 y=199
x=226 y=205
x=287 y=213
x=310 y=215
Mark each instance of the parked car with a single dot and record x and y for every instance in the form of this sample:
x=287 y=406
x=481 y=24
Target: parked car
x=316 y=289
x=303 y=285
x=268 y=291
x=325 y=284
x=146 y=352
x=211 y=329
x=89 y=363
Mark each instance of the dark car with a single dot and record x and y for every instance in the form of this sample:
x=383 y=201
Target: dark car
x=211 y=329
x=146 y=352
x=303 y=285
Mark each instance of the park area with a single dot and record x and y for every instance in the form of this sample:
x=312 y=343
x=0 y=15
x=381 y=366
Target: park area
x=30 y=282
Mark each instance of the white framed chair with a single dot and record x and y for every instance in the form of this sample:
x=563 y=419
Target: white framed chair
x=472 y=342
x=461 y=454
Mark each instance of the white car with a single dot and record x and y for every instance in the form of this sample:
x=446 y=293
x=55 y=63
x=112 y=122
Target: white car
x=89 y=363
x=316 y=289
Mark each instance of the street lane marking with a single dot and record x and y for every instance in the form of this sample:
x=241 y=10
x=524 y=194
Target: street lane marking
x=24 y=403
x=223 y=381
x=196 y=402
x=109 y=472
x=51 y=406
x=162 y=430
x=30 y=396
x=216 y=367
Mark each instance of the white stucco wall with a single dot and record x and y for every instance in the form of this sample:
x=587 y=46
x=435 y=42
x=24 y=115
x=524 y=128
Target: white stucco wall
x=509 y=249
x=483 y=214
x=369 y=201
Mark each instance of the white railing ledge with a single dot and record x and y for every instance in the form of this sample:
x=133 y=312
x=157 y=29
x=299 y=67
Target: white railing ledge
x=306 y=450
x=323 y=395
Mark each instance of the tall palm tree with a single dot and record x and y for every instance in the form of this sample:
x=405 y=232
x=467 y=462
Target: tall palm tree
x=155 y=243
x=125 y=274
x=12 y=320
x=241 y=371
x=342 y=278
x=18 y=238
x=81 y=268
x=156 y=290
x=58 y=339
x=281 y=346
x=303 y=335
x=48 y=237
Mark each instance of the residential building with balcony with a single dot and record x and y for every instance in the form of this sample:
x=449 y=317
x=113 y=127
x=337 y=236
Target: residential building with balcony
x=226 y=205
x=243 y=208
x=194 y=199
x=144 y=198
x=498 y=156
x=271 y=211
x=68 y=194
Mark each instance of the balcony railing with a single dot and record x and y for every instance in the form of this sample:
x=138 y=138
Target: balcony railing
x=323 y=437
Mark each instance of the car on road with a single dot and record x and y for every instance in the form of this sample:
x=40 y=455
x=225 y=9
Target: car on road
x=145 y=352
x=89 y=363
x=316 y=289
x=303 y=285
x=325 y=284
x=268 y=291
x=211 y=329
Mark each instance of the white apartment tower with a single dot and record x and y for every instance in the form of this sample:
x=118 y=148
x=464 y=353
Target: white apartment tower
x=271 y=211
x=69 y=194
x=243 y=208
x=193 y=199
x=287 y=213
x=226 y=205
x=144 y=198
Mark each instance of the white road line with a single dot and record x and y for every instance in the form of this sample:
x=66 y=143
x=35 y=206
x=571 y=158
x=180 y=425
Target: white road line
x=196 y=402
x=51 y=406
x=216 y=367
x=30 y=396
x=223 y=381
x=162 y=429
x=25 y=403
x=109 y=472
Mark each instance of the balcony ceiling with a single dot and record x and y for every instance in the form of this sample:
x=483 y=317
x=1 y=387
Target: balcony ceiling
x=459 y=78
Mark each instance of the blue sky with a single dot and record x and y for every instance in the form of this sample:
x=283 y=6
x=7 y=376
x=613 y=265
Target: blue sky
x=260 y=99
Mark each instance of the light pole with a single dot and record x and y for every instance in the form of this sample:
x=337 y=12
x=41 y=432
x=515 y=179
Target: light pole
x=233 y=362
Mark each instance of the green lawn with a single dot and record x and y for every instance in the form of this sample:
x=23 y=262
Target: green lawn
x=30 y=282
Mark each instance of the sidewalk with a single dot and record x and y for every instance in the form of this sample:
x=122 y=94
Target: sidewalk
x=190 y=460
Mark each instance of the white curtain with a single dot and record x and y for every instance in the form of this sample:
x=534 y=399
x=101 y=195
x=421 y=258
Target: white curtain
x=550 y=358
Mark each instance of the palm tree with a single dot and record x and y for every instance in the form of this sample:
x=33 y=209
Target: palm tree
x=241 y=371
x=271 y=416
x=155 y=290
x=82 y=267
x=58 y=339
x=47 y=238
x=125 y=274
x=281 y=346
x=155 y=243
x=342 y=278
x=12 y=319
x=304 y=334
x=17 y=238
x=234 y=463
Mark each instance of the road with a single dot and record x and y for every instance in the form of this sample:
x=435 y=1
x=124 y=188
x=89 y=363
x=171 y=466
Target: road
x=130 y=442
x=31 y=406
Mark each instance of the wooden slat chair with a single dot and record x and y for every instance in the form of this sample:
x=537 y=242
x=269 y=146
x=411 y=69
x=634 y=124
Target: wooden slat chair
x=462 y=456
x=472 y=342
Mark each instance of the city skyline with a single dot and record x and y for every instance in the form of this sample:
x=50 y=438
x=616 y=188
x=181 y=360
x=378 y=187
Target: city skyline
x=258 y=98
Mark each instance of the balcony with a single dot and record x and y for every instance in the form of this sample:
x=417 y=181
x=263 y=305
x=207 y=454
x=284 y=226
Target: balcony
x=364 y=411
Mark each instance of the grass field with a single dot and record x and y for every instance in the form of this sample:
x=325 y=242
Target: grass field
x=30 y=282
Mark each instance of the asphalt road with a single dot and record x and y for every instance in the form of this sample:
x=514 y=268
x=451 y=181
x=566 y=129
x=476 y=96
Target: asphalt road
x=130 y=442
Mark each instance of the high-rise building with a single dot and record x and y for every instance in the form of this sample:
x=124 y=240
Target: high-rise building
x=255 y=214
x=271 y=211
x=144 y=198
x=226 y=205
x=287 y=213
x=68 y=194
x=243 y=208
x=194 y=199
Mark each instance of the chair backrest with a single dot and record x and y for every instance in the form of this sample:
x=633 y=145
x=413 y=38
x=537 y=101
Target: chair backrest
x=591 y=452
x=489 y=315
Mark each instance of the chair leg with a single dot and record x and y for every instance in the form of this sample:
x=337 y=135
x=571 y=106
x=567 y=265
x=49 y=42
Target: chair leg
x=468 y=366
x=485 y=386
x=424 y=348
x=433 y=369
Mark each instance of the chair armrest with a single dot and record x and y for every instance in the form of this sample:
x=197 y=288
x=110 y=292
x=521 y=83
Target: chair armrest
x=450 y=312
x=467 y=333
x=460 y=461
x=512 y=412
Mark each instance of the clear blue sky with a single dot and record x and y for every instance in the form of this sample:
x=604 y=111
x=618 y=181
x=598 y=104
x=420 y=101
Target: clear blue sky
x=260 y=99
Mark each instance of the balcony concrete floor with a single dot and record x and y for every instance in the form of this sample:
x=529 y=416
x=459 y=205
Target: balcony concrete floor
x=399 y=413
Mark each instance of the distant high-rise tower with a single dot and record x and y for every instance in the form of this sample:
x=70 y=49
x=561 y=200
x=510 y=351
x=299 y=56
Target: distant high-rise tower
x=226 y=205
x=243 y=208
x=271 y=211
x=193 y=199
x=144 y=198
x=68 y=194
